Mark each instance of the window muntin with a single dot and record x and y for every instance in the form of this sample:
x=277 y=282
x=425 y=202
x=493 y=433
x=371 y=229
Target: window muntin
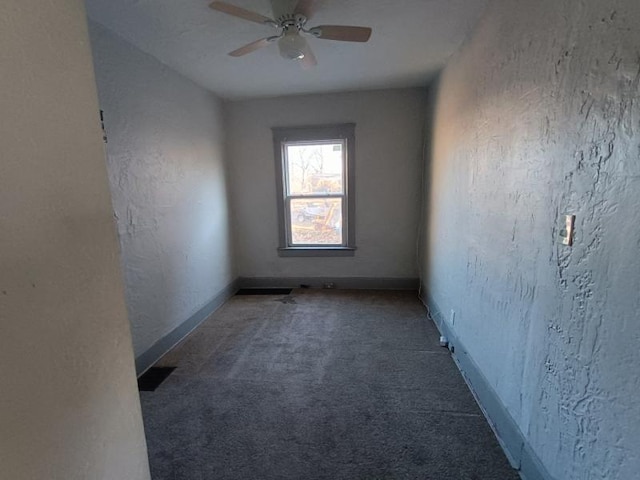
x=315 y=190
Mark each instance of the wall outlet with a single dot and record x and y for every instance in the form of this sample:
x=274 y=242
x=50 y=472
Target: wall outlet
x=452 y=317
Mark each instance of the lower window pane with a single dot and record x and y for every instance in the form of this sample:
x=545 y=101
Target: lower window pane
x=316 y=221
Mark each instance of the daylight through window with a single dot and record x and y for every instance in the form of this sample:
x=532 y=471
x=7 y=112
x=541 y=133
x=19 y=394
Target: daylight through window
x=315 y=183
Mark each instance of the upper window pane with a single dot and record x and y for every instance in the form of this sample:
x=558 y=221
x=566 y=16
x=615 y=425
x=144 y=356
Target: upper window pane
x=315 y=168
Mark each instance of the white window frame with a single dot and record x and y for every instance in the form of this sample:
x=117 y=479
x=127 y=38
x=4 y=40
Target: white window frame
x=342 y=133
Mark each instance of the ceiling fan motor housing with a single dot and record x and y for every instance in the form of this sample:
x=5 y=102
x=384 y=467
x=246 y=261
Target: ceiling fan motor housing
x=292 y=21
x=292 y=45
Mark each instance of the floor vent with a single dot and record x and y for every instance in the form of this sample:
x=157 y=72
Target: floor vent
x=152 y=378
x=264 y=291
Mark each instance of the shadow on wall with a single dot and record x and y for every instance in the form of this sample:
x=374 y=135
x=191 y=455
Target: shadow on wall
x=424 y=263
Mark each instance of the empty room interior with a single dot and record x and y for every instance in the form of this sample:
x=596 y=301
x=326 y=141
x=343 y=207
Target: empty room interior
x=298 y=239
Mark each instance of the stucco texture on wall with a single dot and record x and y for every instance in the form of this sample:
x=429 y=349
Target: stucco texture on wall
x=539 y=116
x=389 y=133
x=168 y=181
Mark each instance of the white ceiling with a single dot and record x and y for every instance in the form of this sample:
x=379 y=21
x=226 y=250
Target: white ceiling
x=411 y=40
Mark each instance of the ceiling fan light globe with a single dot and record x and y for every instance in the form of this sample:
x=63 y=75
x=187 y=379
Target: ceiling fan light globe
x=292 y=46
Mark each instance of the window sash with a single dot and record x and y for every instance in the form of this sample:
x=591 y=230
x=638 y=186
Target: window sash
x=289 y=220
x=285 y=162
x=288 y=197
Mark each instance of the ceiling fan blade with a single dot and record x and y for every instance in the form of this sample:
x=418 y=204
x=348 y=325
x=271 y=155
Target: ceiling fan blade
x=305 y=7
x=342 y=33
x=309 y=59
x=241 y=13
x=251 y=47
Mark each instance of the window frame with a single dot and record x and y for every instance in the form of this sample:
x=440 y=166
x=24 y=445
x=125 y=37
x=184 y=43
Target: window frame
x=283 y=136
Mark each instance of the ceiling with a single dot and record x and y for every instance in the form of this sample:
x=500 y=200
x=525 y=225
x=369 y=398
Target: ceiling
x=411 y=41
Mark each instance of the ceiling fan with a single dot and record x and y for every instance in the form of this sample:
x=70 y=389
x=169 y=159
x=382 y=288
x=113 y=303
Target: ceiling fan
x=292 y=31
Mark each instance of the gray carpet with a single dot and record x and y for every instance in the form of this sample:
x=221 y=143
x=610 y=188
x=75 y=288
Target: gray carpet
x=319 y=384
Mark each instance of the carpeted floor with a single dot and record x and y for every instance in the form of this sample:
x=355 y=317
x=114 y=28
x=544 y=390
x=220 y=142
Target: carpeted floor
x=318 y=384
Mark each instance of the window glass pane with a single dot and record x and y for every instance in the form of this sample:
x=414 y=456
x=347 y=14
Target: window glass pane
x=314 y=169
x=316 y=221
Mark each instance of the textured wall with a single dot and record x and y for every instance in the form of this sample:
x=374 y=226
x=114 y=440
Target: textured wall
x=168 y=182
x=388 y=152
x=69 y=406
x=536 y=117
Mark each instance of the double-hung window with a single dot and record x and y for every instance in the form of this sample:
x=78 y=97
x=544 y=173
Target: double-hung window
x=315 y=182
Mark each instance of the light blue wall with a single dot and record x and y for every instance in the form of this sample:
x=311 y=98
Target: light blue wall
x=168 y=182
x=539 y=116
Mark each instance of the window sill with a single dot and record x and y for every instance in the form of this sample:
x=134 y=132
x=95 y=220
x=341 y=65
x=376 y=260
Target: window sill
x=316 y=251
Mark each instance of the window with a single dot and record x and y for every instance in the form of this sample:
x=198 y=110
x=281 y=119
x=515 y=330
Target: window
x=315 y=181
